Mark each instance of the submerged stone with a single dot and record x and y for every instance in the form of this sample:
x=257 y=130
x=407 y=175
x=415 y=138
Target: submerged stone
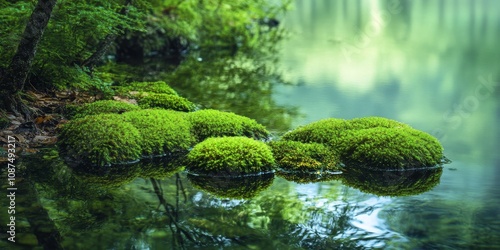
x=100 y=140
x=230 y=156
x=213 y=123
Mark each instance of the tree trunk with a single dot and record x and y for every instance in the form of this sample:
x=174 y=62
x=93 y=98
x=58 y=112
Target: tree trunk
x=15 y=75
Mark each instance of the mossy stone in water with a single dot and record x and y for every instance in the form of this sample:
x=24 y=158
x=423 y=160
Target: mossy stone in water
x=304 y=157
x=103 y=106
x=213 y=123
x=390 y=148
x=162 y=131
x=229 y=156
x=375 y=122
x=165 y=101
x=100 y=140
x=323 y=131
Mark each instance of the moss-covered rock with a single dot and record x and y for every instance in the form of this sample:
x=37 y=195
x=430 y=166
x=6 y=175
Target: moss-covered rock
x=165 y=101
x=162 y=131
x=100 y=107
x=228 y=156
x=304 y=157
x=213 y=123
x=159 y=87
x=233 y=187
x=390 y=148
x=325 y=131
x=393 y=183
x=375 y=122
x=100 y=140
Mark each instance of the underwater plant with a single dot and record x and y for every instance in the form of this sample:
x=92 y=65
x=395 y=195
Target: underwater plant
x=99 y=140
x=99 y=107
x=304 y=157
x=213 y=123
x=165 y=101
x=162 y=131
x=230 y=156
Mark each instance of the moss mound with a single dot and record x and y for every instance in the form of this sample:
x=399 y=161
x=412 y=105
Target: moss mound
x=165 y=101
x=323 y=131
x=375 y=122
x=393 y=183
x=162 y=131
x=100 y=140
x=100 y=107
x=159 y=87
x=385 y=148
x=235 y=188
x=229 y=156
x=213 y=123
x=304 y=157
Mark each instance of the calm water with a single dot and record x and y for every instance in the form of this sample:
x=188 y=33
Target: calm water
x=431 y=64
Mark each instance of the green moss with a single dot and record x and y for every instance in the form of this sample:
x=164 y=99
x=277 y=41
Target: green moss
x=323 y=131
x=233 y=187
x=390 y=148
x=164 y=101
x=159 y=87
x=99 y=107
x=213 y=123
x=230 y=156
x=393 y=183
x=162 y=131
x=304 y=157
x=100 y=140
x=303 y=177
x=374 y=122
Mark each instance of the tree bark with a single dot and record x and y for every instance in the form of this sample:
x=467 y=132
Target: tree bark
x=14 y=76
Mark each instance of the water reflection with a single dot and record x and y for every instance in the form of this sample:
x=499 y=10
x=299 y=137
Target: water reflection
x=232 y=187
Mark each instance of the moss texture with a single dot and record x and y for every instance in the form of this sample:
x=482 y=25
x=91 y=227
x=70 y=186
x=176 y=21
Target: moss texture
x=162 y=131
x=213 y=123
x=386 y=148
x=325 y=131
x=100 y=107
x=164 y=101
x=100 y=140
x=229 y=156
x=393 y=183
x=235 y=188
x=159 y=87
x=304 y=157
x=375 y=122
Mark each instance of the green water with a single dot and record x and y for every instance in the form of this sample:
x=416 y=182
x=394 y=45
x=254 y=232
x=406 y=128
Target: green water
x=431 y=64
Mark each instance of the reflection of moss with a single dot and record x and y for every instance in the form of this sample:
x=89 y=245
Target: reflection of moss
x=230 y=156
x=398 y=148
x=233 y=187
x=100 y=140
x=164 y=101
x=392 y=183
x=308 y=177
x=159 y=87
x=106 y=106
x=161 y=168
x=213 y=123
x=162 y=131
x=113 y=176
x=305 y=157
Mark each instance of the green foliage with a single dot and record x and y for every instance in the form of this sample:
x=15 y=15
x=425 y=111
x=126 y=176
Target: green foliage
x=213 y=123
x=233 y=187
x=392 y=183
x=230 y=156
x=99 y=107
x=100 y=140
x=164 y=101
x=4 y=121
x=159 y=87
x=390 y=148
x=162 y=131
x=304 y=157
